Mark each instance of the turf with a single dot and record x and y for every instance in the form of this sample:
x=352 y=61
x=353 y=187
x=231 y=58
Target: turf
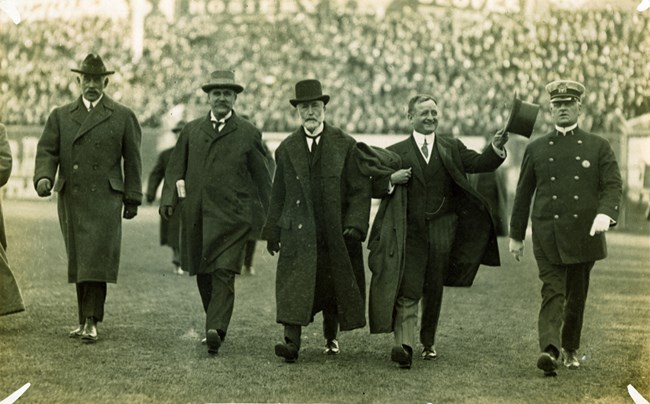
x=149 y=343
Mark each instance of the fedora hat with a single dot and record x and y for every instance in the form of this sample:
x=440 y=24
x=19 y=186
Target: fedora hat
x=93 y=65
x=522 y=117
x=309 y=90
x=222 y=79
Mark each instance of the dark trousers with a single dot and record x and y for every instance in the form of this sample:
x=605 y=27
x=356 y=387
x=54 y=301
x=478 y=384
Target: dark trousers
x=217 y=290
x=249 y=252
x=91 y=297
x=292 y=332
x=564 y=293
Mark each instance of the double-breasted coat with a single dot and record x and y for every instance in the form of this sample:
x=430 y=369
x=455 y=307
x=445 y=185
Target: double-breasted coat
x=222 y=170
x=572 y=178
x=291 y=221
x=475 y=241
x=97 y=155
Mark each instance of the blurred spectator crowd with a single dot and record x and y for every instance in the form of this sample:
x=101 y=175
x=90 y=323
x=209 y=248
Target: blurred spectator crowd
x=370 y=66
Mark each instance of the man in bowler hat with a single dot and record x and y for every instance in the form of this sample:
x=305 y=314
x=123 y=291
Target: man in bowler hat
x=449 y=229
x=94 y=143
x=219 y=168
x=576 y=184
x=169 y=229
x=317 y=219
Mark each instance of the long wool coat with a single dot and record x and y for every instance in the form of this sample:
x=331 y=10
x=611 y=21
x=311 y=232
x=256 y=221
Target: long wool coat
x=475 y=242
x=97 y=155
x=291 y=221
x=221 y=171
x=169 y=229
x=572 y=179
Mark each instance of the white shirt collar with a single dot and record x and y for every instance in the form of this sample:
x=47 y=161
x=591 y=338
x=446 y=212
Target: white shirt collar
x=222 y=120
x=566 y=130
x=88 y=103
x=420 y=137
x=319 y=129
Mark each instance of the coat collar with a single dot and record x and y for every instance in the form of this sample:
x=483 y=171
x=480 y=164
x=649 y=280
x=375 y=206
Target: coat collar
x=232 y=124
x=88 y=120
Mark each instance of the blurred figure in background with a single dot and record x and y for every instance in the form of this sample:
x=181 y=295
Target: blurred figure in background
x=169 y=229
x=94 y=145
x=216 y=164
x=11 y=301
x=576 y=184
x=317 y=219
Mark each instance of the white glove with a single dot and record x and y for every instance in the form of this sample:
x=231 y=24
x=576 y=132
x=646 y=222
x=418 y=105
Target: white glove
x=516 y=248
x=601 y=224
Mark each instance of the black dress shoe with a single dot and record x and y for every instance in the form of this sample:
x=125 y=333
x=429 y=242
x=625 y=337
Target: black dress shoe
x=213 y=339
x=548 y=363
x=403 y=355
x=332 y=347
x=570 y=359
x=287 y=350
x=429 y=353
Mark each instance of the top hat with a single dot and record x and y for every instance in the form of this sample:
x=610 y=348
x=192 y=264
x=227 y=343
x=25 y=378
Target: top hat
x=565 y=90
x=179 y=126
x=309 y=90
x=93 y=65
x=222 y=79
x=522 y=117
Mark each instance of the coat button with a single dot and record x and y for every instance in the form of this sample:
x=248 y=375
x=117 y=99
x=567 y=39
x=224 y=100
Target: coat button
x=551 y=159
x=551 y=143
x=578 y=158
x=576 y=178
x=575 y=215
x=556 y=216
x=554 y=197
x=93 y=189
x=298 y=202
x=552 y=178
x=75 y=166
x=579 y=141
x=299 y=226
x=297 y=177
x=576 y=197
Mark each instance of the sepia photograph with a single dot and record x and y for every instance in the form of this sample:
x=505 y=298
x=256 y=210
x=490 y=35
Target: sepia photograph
x=313 y=201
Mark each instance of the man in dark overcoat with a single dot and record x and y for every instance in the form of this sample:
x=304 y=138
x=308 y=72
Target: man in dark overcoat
x=449 y=230
x=217 y=164
x=318 y=217
x=169 y=229
x=576 y=184
x=94 y=143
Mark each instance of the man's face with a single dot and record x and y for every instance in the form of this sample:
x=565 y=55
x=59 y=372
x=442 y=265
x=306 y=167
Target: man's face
x=565 y=113
x=92 y=87
x=312 y=114
x=221 y=101
x=424 y=117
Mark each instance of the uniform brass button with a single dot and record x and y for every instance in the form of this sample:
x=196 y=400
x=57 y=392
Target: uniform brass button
x=551 y=143
x=300 y=226
x=75 y=166
x=551 y=159
x=576 y=197
x=552 y=178
x=578 y=158
x=579 y=141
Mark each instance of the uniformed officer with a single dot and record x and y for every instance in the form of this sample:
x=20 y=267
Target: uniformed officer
x=577 y=186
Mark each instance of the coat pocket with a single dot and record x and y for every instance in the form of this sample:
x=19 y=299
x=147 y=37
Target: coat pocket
x=116 y=184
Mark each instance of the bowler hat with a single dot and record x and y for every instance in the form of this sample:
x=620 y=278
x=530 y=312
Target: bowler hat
x=179 y=126
x=522 y=117
x=565 y=90
x=222 y=79
x=309 y=90
x=93 y=65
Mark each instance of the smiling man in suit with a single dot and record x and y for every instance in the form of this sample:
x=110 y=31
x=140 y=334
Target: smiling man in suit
x=449 y=228
x=318 y=217
x=218 y=171
x=94 y=143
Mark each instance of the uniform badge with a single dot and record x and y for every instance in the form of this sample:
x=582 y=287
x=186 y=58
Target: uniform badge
x=586 y=163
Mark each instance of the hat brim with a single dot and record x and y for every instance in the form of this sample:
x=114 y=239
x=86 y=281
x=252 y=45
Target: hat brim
x=522 y=117
x=106 y=73
x=209 y=87
x=325 y=98
x=565 y=98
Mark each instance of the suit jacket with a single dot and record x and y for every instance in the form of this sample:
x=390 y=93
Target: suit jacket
x=221 y=170
x=97 y=155
x=572 y=179
x=291 y=221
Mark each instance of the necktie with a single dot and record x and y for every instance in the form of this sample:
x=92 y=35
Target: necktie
x=425 y=149
x=90 y=108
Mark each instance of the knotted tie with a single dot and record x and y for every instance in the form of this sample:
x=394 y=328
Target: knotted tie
x=425 y=149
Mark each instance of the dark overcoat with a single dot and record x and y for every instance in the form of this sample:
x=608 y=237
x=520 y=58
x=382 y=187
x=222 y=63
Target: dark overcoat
x=97 y=155
x=169 y=229
x=475 y=241
x=291 y=221
x=221 y=170
x=572 y=179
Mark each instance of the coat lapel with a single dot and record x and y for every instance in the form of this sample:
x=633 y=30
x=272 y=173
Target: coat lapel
x=99 y=114
x=331 y=151
x=299 y=159
x=410 y=149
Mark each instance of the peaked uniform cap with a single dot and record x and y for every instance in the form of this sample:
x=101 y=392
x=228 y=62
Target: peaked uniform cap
x=565 y=90
x=309 y=90
x=93 y=65
x=222 y=79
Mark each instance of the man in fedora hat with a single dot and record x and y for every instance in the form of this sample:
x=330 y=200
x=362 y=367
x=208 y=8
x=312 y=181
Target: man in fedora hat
x=576 y=184
x=215 y=168
x=94 y=143
x=317 y=219
x=169 y=229
x=449 y=229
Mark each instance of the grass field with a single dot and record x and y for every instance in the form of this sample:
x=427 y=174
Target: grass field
x=149 y=349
